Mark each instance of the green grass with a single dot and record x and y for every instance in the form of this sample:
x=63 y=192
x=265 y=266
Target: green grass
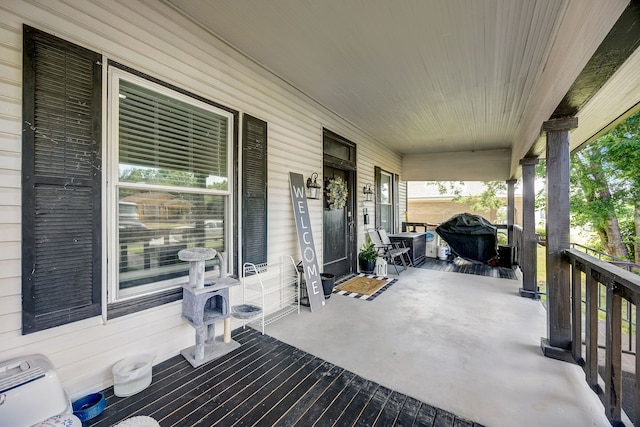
x=541 y=274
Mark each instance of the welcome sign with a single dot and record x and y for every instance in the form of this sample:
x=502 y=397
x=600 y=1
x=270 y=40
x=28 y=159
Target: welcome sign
x=305 y=239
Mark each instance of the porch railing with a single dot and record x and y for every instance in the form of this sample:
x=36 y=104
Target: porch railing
x=627 y=312
x=620 y=262
x=418 y=226
x=620 y=285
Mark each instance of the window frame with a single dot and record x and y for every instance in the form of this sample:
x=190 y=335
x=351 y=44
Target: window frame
x=115 y=75
x=393 y=196
x=135 y=304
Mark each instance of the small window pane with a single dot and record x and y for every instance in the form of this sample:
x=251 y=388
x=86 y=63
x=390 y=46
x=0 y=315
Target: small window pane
x=154 y=225
x=385 y=188
x=385 y=218
x=339 y=150
x=165 y=141
x=385 y=204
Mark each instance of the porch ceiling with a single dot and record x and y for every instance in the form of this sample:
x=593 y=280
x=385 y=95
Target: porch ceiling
x=439 y=79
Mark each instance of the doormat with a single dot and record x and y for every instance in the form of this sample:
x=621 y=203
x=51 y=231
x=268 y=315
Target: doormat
x=364 y=286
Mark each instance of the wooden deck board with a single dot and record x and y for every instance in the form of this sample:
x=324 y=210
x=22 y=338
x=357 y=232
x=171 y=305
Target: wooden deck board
x=324 y=402
x=249 y=393
x=268 y=383
x=342 y=400
x=199 y=390
x=218 y=393
x=426 y=416
x=370 y=413
x=290 y=400
x=260 y=394
x=353 y=411
x=307 y=401
x=408 y=412
x=391 y=409
x=472 y=268
x=443 y=419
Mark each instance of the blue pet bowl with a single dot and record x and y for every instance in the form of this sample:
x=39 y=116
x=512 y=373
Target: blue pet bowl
x=89 y=406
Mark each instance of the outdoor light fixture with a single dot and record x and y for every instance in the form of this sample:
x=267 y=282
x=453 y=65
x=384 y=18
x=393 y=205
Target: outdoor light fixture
x=313 y=186
x=368 y=192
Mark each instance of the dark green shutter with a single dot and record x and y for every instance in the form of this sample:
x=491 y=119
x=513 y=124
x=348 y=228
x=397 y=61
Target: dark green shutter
x=254 y=190
x=61 y=199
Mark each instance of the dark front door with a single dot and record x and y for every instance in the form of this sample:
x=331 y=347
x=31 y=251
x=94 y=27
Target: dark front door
x=338 y=225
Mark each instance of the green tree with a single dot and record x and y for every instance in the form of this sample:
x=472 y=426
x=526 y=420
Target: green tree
x=605 y=188
x=593 y=202
x=487 y=200
x=159 y=176
x=622 y=146
x=170 y=177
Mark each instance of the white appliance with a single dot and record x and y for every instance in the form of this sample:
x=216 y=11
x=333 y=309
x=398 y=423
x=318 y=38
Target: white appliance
x=30 y=391
x=431 y=244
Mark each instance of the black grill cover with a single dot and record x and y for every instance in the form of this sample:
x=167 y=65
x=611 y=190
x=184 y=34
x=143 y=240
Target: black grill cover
x=470 y=236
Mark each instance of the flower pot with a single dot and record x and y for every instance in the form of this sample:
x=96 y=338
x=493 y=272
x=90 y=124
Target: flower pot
x=328 y=280
x=366 y=266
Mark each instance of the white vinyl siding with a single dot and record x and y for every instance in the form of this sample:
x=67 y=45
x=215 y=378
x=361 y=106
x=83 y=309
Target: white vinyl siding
x=151 y=38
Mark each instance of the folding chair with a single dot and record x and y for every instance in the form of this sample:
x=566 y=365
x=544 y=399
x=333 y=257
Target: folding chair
x=397 y=245
x=388 y=252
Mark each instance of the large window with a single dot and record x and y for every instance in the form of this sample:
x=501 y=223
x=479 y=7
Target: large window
x=386 y=205
x=170 y=185
x=167 y=172
x=386 y=200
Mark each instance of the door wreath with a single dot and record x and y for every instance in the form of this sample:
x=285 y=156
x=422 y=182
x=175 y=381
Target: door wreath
x=336 y=193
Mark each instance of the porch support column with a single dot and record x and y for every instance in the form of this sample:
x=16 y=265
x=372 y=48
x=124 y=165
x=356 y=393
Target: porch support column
x=557 y=345
x=529 y=256
x=511 y=209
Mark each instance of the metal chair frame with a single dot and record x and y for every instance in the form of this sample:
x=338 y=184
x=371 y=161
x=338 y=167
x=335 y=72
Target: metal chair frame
x=395 y=245
x=389 y=252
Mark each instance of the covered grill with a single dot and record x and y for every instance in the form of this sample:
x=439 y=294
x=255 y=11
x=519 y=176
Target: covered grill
x=470 y=236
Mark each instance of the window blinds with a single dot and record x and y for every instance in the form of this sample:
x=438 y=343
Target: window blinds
x=163 y=133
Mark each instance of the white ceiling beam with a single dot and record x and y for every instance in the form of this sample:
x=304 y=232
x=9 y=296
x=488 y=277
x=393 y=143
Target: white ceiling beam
x=482 y=165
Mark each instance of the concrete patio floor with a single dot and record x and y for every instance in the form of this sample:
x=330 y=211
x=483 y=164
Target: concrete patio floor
x=467 y=344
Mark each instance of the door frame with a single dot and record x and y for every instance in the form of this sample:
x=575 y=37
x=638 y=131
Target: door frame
x=349 y=167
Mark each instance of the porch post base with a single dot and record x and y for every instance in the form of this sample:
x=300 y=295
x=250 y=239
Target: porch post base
x=557 y=353
x=526 y=293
